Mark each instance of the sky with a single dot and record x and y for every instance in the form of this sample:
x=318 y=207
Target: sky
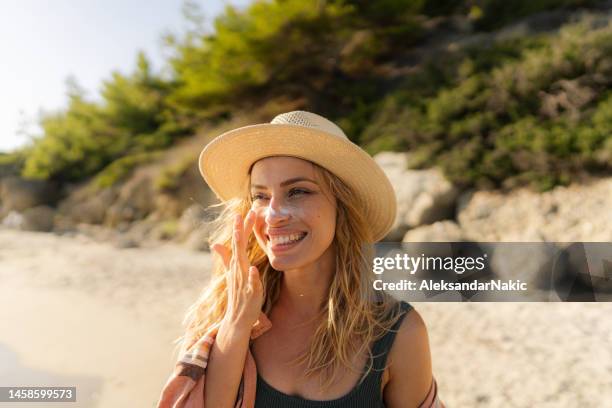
x=42 y=43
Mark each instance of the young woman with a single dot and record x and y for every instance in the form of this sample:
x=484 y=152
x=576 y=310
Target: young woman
x=302 y=207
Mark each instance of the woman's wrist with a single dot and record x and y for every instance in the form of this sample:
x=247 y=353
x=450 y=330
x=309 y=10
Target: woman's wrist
x=235 y=327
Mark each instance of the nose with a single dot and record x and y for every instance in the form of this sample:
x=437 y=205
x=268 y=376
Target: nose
x=275 y=212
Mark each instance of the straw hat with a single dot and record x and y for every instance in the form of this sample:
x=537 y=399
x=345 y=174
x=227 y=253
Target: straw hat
x=225 y=161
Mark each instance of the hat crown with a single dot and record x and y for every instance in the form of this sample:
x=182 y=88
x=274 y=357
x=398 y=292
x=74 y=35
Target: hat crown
x=310 y=120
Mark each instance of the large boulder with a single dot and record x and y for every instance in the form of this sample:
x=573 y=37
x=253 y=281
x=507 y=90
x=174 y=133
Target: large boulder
x=580 y=212
x=13 y=220
x=423 y=196
x=535 y=263
x=135 y=200
x=576 y=213
x=39 y=218
x=18 y=194
x=591 y=263
x=440 y=231
x=86 y=205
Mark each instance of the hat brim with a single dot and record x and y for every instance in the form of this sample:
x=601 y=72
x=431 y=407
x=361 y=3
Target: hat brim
x=224 y=164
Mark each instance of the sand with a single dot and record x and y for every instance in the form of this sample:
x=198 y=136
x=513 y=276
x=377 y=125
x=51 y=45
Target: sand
x=75 y=312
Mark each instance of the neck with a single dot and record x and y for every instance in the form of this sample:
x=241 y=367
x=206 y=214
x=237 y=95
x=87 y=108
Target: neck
x=305 y=289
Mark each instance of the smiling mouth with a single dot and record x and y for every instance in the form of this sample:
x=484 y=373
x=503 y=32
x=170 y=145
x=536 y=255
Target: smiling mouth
x=286 y=241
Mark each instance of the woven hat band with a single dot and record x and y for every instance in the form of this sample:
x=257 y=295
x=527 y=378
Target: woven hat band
x=310 y=120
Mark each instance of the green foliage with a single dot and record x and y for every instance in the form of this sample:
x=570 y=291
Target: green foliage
x=13 y=158
x=133 y=117
x=535 y=116
x=298 y=48
x=12 y=163
x=269 y=43
x=491 y=14
x=496 y=13
x=531 y=109
x=76 y=143
x=121 y=168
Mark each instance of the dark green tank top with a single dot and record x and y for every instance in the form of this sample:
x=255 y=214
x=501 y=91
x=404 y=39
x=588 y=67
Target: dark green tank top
x=365 y=394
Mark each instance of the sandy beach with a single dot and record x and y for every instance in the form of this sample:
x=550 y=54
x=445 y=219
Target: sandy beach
x=76 y=312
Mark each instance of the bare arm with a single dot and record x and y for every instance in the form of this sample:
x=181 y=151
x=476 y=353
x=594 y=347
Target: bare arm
x=410 y=364
x=244 y=301
x=225 y=366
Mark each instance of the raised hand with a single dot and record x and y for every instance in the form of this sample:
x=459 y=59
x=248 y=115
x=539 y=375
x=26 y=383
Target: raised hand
x=244 y=287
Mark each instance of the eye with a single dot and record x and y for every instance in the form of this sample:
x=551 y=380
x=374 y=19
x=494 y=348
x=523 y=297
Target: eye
x=258 y=196
x=298 y=191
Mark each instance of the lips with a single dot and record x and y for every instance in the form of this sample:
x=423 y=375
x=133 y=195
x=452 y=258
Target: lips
x=278 y=242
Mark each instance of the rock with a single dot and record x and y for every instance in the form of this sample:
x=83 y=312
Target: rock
x=580 y=212
x=441 y=231
x=576 y=213
x=531 y=262
x=125 y=205
x=92 y=232
x=136 y=200
x=198 y=239
x=192 y=219
x=40 y=218
x=84 y=205
x=125 y=241
x=13 y=220
x=591 y=263
x=64 y=225
x=423 y=196
x=141 y=230
x=191 y=190
x=392 y=162
x=18 y=194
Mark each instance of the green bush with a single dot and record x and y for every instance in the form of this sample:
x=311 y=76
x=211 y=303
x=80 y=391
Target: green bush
x=538 y=115
x=133 y=117
x=531 y=109
x=12 y=163
x=119 y=169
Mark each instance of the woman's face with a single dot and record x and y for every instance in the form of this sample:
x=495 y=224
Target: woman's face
x=296 y=215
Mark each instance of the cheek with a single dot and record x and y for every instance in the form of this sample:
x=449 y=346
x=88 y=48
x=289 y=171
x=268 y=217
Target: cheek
x=325 y=219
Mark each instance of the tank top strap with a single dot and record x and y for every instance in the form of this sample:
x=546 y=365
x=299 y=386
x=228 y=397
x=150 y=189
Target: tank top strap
x=382 y=346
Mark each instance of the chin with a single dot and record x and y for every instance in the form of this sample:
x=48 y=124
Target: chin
x=281 y=264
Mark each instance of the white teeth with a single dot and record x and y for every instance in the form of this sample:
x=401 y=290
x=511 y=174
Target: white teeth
x=284 y=239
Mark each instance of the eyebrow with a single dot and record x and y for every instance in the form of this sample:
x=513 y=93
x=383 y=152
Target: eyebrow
x=287 y=182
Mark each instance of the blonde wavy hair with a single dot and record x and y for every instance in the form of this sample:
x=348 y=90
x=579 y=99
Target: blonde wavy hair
x=353 y=316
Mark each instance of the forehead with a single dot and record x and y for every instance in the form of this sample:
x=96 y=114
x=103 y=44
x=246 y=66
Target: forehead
x=274 y=170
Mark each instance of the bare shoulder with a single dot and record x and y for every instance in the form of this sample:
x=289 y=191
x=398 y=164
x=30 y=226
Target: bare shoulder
x=410 y=373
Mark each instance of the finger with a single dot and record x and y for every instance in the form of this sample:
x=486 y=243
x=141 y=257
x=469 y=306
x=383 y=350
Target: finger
x=236 y=263
x=224 y=253
x=254 y=278
x=241 y=252
x=249 y=222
